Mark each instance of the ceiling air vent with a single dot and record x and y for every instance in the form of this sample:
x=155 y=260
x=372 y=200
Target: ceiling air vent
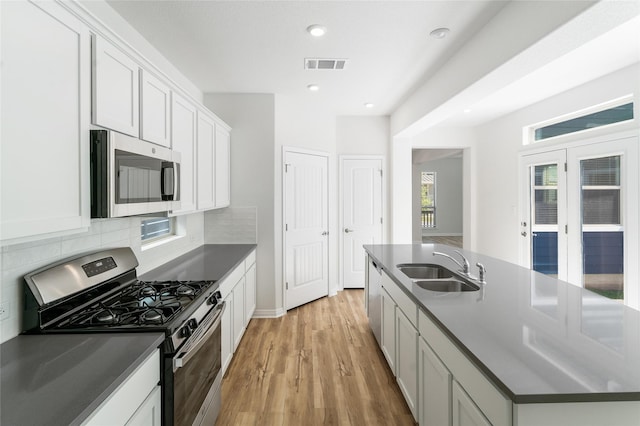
x=324 y=64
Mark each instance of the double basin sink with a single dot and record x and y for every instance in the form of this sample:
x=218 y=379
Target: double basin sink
x=436 y=278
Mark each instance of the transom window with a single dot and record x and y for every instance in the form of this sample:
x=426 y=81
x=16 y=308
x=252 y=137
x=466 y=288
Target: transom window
x=603 y=116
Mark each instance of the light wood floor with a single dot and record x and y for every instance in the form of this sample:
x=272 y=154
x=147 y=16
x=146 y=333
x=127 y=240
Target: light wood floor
x=317 y=365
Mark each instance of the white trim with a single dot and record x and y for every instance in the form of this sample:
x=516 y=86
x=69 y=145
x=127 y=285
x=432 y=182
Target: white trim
x=283 y=248
x=269 y=313
x=383 y=208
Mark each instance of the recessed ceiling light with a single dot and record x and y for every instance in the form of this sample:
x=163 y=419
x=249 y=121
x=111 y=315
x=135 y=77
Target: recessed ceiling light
x=439 y=33
x=316 y=30
x=313 y=87
x=368 y=105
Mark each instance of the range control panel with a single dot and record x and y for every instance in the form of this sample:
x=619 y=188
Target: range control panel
x=99 y=266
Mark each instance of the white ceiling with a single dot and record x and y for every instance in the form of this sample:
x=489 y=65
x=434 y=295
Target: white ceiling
x=260 y=46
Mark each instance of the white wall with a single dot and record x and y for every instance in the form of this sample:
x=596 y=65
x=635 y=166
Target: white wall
x=448 y=197
x=252 y=119
x=500 y=141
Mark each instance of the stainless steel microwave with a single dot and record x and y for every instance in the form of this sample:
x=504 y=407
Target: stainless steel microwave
x=132 y=177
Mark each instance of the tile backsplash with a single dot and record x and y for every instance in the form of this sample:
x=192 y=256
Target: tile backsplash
x=20 y=259
x=233 y=225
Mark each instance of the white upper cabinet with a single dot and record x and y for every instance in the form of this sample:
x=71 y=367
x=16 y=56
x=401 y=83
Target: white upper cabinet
x=155 y=101
x=222 y=167
x=184 y=118
x=206 y=161
x=45 y=120
x=115 y=88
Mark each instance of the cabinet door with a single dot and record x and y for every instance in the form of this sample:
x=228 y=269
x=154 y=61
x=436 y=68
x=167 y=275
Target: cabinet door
x=407 y=360
x=250 y=293
x=46 y=93
x=149 y=413
x=388 y=345
x=115 y=88
x=465 y=411
x=155 y=101
x=206 y=161
x=222 y=171
x=226 y=324
x=183 y=140
x=238 y=313
x=434 y=406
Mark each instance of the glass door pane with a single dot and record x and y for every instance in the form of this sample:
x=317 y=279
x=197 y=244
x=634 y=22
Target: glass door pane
x=602 y=228
x=544 y=219
x=544 y=208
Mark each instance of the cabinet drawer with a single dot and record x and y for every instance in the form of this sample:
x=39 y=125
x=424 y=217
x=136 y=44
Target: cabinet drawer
x=403 y=301
x=232 y=279
x=125 y=400
x=494 y=405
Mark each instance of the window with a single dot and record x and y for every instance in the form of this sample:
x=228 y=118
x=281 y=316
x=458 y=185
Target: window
x=428 y=198
x=611 y=114
x=156 y=227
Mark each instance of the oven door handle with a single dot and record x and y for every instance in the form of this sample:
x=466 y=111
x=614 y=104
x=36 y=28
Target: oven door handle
x=193 y=347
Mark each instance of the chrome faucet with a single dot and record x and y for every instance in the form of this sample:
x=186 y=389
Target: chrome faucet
x=464 y=266
x=481 y=272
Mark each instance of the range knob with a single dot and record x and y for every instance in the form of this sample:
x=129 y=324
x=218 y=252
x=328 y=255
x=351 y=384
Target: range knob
x=185 y=332
x=214 y=298
x=192 y=324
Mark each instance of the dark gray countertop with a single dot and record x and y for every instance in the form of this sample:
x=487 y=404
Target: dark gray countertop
x=208 y=262
x=60 y=379
x=536 y=338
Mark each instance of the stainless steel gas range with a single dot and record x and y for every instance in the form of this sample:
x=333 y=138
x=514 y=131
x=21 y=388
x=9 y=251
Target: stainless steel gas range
x=99 y=292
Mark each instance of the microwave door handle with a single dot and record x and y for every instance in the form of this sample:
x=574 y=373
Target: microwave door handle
x=168 y=180
x=176 y=181
x=183 y=358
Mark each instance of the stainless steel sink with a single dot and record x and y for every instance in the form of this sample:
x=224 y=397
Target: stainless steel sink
x=436 y=277
x=421 y=271
x=447 y=285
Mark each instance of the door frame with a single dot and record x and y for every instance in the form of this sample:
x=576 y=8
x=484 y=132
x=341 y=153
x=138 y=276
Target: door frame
x=283 y=248
x=383 y=207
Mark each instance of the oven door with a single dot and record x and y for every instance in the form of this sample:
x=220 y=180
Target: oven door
x=197 y=373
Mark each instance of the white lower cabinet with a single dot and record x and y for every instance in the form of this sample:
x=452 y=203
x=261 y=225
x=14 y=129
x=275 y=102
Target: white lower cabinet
x=465 y=412
x=441 y=386
x=250 y=293
x=239 y=324
x=388 y=344
x=150 y=412
x=136 y=401
x=407 y=360
x=238 y=291
x=434 y=380
x=226 y=325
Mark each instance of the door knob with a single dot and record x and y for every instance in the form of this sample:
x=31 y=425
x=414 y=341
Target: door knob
x=325 y=233
x=347 y=230
x=523 y=233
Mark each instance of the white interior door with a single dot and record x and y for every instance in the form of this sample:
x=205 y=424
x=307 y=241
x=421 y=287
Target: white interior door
x=306 y=227
x=361 y=215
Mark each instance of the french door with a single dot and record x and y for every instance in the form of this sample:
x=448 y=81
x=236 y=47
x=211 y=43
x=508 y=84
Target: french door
x=580 y=216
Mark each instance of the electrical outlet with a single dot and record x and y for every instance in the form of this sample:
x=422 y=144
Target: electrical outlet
x=4 y=311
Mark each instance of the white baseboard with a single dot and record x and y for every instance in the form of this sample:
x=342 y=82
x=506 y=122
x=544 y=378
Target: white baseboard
x=441 y=234
x=269 y=313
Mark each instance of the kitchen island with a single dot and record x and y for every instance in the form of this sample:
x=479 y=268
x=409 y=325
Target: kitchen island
x=552 y=352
